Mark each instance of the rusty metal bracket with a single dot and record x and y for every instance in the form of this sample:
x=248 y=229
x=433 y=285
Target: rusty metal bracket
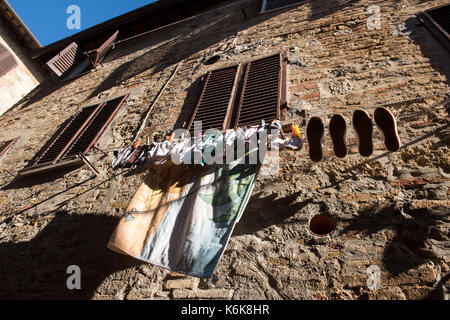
x=89 y=164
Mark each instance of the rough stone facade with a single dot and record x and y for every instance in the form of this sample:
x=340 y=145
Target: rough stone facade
x=391 y=210
x=18 y=82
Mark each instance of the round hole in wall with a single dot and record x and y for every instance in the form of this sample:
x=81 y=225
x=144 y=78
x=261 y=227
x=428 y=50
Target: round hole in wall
x=322 y=225
x=213 y=59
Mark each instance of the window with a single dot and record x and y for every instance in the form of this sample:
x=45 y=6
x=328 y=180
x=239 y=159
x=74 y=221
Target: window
x=5 y=146
x=242 y=95
x=437 y=20
x=268 y=5
x=7 y=61
x=77 y=136
x=73 y=61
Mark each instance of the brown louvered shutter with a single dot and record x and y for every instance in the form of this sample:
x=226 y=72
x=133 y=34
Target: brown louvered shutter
x=81 y=132
x=7 y=61
x=101 y=52
x=97 y=125
x=5 y=146
x=263 y=91
x=66 y=59
x=62 y=142
x=437 y=20
x=216 y=99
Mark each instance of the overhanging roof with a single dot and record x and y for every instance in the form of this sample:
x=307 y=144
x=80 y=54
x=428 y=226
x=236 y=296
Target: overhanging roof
x=147 y=18
x=22 y=34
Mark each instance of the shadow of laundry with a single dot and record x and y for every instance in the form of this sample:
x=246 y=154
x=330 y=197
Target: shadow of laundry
x=256 y=217
x=352 y=173
x=412 y=229
x=36 y=269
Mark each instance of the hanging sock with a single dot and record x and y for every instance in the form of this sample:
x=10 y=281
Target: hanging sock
x=315 y=131
x=121 y=157
x=364 y=130
x=338 y=134
x=295 y=143
x=386 y=123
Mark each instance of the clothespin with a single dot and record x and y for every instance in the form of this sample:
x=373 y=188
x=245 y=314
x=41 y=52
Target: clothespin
x=297 y=132
x=137 y=144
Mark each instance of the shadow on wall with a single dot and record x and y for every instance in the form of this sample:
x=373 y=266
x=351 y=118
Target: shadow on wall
x=44 y=89
x=414 y=231
x=429 y=46
x=20 y=182
x=256 y=217
x=37 y=269
x=193 y=92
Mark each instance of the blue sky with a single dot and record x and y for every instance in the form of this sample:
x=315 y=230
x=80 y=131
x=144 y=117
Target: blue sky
x=47 y=18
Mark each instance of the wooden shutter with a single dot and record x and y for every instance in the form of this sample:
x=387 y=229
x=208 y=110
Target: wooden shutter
x=437 y=20
x=5 y=146
x=216 y=99
x=99 y=54
x=7 y=61
x=65 y=138
x=80 y=134
x=96 y=126
x=263 y=91
x=66 y=59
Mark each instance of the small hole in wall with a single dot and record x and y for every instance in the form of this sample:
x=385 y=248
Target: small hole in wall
x=322 y=225
x=212 y=60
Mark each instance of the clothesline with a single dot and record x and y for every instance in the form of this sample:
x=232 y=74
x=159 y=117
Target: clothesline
x=201 y=148
x=434 y=107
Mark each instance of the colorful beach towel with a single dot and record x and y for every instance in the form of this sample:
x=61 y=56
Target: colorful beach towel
x=181 y=218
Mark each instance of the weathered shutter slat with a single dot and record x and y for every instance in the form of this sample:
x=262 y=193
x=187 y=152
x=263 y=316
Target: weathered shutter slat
x=95 y=128
x=261 y=93
x=101 y=52
x=442 y=17
x=5 y=146
x=437 y=21
x=215 y=100
x=65 y=137
x=66 y=59
x=77 y=136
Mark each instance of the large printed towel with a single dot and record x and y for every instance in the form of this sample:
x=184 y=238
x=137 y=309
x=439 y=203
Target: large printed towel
x=181 y=218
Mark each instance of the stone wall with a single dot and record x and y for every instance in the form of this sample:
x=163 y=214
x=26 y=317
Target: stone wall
x=391 y=209
x=18 y=82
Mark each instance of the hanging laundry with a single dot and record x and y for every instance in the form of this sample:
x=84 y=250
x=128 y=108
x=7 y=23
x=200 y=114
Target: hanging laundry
x=181 y=218
x=130 y=157
x=206 y=149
